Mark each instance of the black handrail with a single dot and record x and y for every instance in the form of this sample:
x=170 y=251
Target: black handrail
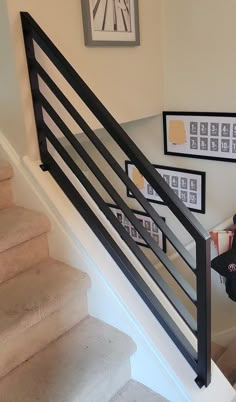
x=200 y=360
x=187 y=257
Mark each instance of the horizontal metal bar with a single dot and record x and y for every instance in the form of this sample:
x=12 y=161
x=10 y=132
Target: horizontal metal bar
x=183 y=252
x=178 y=208
x=180 y=308
x=125 y=265
x=185 y=286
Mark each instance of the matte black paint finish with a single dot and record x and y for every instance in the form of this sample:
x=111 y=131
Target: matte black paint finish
x=200 y=361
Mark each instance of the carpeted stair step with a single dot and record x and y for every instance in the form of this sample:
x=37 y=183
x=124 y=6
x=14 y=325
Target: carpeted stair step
x=6 y=198
x=227 y=363
x=136 y=392
x=6 y=172
x=216 y=351
x=23 y=241
x=90 y=363
x=37 y=307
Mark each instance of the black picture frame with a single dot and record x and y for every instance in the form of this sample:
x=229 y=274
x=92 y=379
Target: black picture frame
x=194 y=190
x=154 y=230
x=200 y=135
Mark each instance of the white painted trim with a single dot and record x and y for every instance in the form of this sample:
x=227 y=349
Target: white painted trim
x=157 y=362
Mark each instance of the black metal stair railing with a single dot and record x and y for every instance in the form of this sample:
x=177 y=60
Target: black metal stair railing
x=200 y=359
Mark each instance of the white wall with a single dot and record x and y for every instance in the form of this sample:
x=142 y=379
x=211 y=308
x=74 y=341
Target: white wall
x=199 y=75
x=128 y=80
x=11 y=112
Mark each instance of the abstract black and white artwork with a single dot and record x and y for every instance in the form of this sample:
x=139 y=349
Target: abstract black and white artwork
x=110 y=22
x=112 y=15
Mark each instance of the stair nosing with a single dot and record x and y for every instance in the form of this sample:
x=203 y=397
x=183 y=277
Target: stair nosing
x=18 y=327
x=40 y=229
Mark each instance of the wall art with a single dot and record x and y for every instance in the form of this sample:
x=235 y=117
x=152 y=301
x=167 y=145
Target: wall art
x=146 y=221
x=189 y=185
x=200 y=135
x=110 y=22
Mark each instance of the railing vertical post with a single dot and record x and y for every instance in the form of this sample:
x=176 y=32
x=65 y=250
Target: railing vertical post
x=34 y=84
x=203 y=311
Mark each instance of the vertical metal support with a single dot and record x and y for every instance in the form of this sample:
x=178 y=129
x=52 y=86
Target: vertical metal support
x=34 y=84
x=204 y=311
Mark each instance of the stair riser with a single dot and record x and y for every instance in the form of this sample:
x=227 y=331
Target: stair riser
x=22 y=257
x=6 y=199
x=19 y=349
x=111 y=383
x=6 y=171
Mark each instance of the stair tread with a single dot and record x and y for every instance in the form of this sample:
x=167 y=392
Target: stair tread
x=227 y=363
x=36 y=293
x=19 y=225
x=6 y=171
x=71 y=368
x=216 y=351
x=136 y=392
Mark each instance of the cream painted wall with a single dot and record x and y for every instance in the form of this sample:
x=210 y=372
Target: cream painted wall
x=11 y=115
x=199 y=55
x=127 y=80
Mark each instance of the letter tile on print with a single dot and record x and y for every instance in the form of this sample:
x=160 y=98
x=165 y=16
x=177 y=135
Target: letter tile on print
x=225 y=129
x=204 y=128
x=147 y=225
x=193 y=184
x=204 y=144
x=175 y=181
x=133 y=232
x=234 y=146
x=184 y=183
x=193 y=198
x=193 y=127
x=150 y=190
x=119 y=217
x=214 y=129
x=234 y=130
x=166 y=177
x=214 y=144
x=184 y=196
x=225 y=145
x=193 y=143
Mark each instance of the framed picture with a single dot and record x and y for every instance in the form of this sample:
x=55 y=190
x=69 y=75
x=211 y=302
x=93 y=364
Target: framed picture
x=200 y=135
x=110 y=22
x=189 y=185
x=146 y=221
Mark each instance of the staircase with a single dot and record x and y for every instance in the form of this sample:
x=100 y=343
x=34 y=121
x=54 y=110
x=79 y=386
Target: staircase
x=51 y=350
x=225 y=358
